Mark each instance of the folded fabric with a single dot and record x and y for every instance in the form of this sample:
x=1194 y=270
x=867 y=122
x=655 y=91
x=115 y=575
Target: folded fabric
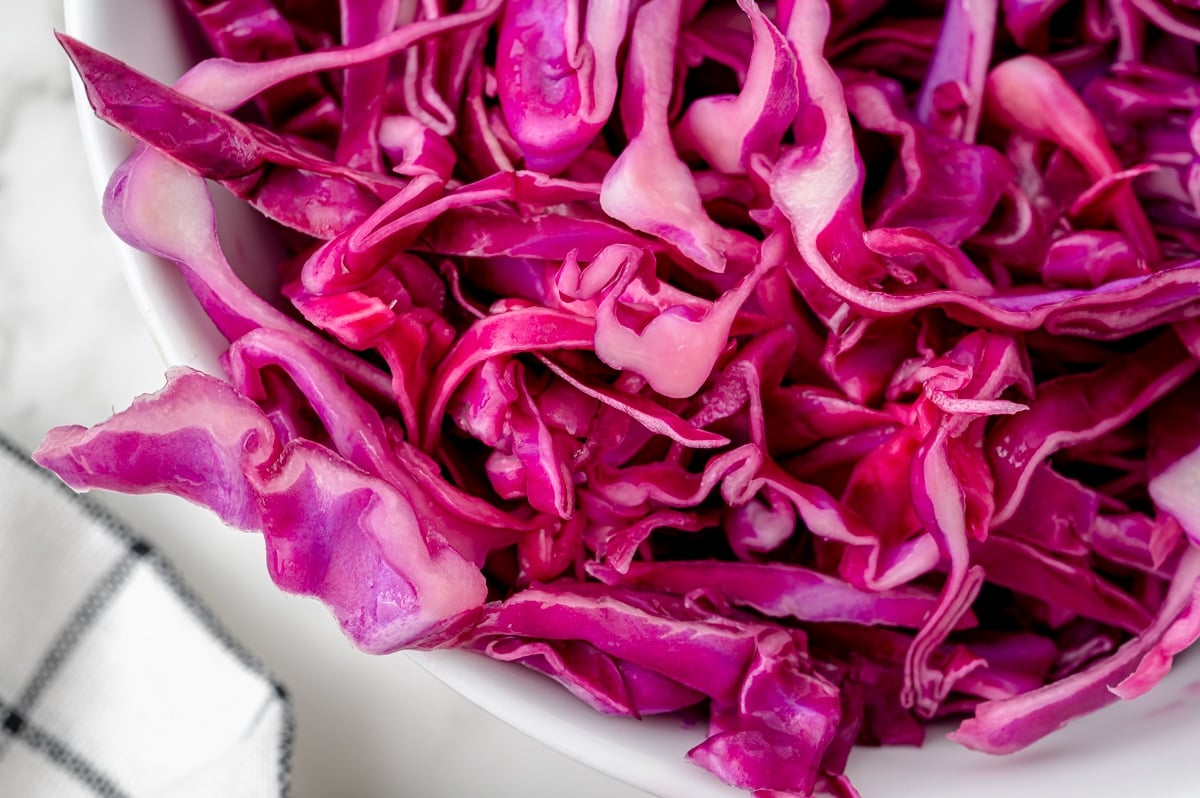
x=114 y=679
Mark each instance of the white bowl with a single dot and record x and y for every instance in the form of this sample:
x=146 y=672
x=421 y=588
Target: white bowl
x=1144 y=747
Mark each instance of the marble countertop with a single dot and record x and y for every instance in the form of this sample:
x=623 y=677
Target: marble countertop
x=73 y=349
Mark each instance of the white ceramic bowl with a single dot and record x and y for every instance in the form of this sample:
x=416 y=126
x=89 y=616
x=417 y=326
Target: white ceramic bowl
x=1143 y=748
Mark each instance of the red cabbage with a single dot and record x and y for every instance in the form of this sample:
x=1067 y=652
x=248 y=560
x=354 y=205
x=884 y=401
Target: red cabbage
x=830 y=367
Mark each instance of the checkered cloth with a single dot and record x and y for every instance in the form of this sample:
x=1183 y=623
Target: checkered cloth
x=114 y=679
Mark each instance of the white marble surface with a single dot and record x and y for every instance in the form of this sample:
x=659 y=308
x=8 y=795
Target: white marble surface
x=72 y=348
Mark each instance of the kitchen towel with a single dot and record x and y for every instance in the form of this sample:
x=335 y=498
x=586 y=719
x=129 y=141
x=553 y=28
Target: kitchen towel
x=114 y=679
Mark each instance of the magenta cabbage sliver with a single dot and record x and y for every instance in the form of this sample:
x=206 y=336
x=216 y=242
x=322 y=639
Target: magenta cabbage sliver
x=828 y=370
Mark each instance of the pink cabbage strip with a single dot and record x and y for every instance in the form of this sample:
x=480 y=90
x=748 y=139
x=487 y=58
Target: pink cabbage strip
x=332 y=531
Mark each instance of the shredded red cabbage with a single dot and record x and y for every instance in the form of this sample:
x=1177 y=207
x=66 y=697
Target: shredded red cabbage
x=832 y=367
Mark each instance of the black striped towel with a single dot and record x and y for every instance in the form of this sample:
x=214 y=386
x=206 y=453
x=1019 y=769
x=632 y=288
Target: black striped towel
x=114 y=679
